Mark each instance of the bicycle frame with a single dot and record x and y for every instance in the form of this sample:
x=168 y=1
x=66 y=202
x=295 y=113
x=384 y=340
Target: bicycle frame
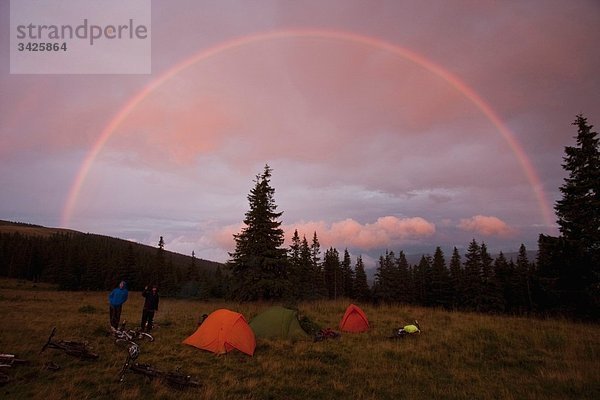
x=173 y=379
x=131 y=335
x=75 y=349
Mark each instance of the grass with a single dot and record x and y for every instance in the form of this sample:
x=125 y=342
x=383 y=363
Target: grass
x=458 y=355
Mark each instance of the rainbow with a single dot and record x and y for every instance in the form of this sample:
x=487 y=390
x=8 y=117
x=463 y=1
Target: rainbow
x=354 y=38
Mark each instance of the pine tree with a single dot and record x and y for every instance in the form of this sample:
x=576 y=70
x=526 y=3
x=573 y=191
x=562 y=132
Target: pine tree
x=295 y=270
x=405 y=282
x=523 y=286
x=169 y=279
x=440 y=280
x=307 y=275
x=422 y=274
x=361 y=287
x=579 y=210
x=578 y=280
x=333 y=273
x=491 y=296
x=258 y=264
x=347 y=275
x=456 y=280
x=502 y=275
x=157 y=270
x=385 y=287
x=318 y=277
x=472 y=276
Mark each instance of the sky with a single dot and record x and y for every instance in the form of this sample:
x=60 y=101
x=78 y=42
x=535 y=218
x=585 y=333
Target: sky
x=389 y=125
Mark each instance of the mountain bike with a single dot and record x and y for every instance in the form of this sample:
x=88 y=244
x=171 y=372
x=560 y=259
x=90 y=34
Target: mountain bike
x=8 y=361
x=175 y=379
x=130 y=336
x=75 y=349
x=325 y=334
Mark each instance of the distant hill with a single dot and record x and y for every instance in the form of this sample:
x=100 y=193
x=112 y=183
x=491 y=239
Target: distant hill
x=42 y=231
x=30 y=229
x=77 y=260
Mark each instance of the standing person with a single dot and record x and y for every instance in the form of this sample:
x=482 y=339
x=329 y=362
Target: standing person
x=116 y=298
x=150 y=307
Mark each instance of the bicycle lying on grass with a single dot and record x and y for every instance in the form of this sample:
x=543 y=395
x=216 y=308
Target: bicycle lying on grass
x=174 y=379
x=130 y=336
x=8 y=361
x=75 y=349
x=325 y=334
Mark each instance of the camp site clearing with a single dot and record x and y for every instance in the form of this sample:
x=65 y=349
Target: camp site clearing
x=456 y=356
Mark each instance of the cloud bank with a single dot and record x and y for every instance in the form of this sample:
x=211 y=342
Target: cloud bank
x=486 y=226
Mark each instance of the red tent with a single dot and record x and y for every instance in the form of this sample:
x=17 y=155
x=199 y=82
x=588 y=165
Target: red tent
x=354 y=320
x=222 y=332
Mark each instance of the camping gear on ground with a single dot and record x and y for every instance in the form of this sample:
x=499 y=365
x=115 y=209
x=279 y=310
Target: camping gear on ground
x=325 y=334
x=354 y=320
x=278 y=322
x=222 y=331
x=406 y=330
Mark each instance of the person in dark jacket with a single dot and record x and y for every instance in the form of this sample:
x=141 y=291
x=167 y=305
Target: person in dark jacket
x=116 y=298
x=150 y=307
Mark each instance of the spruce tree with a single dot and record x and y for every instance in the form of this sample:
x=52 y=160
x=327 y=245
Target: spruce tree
x=307 y=283
x=523 y=279
x=472 y=276
x=385 y=287
x=361 y=287
x=333 y=273
x=456 y=280
x=491 y=296
x=347 y=275
x=405 y=282
x=318 y=277
x=422 y=274
x=440 y=280
x=578 y=281
x=579 y=209
x=295 y=266
x=258 y=264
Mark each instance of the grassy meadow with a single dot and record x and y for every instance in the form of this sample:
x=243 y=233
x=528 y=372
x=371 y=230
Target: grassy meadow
x=457 y=356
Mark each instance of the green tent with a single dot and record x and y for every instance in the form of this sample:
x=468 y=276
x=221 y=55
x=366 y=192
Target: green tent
x=278 y=322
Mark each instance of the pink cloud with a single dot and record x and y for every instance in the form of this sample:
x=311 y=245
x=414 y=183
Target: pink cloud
x=224 y=236
x=486 y=225
x=384 y=232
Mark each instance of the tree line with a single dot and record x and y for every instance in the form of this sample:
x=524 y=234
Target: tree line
x=565 y=277
x=78 y=261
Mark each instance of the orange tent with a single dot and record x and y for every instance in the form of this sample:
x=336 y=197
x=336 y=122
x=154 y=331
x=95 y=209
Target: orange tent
x=222 y=332
x=354 y=320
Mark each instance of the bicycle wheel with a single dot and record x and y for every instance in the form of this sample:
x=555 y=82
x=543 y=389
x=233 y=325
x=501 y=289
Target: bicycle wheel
x=180 y=381
x=144 y=369
x=83 y=354
x=146 y=337
x=49 y=340
x=10 y=359
x=124 y=342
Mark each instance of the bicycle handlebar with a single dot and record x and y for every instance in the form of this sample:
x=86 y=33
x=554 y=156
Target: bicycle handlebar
x=49 y=339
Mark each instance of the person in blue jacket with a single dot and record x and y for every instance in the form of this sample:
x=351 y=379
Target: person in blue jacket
x=116 y=298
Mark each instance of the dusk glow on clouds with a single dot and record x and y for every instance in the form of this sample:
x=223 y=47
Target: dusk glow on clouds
x=393 y=125
x=486 y=226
